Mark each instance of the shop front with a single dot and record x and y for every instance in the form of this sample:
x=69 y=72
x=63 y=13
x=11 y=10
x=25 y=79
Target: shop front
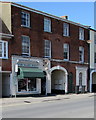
x=29 y=80
x=28 y=74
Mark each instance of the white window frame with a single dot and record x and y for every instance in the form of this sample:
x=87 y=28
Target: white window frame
x=6 y=51
x=47 y=49
x=65 y=29
x=27 y=18
x=26 y=54
x=81 y=34
x=67 y=50
x=47 y=25
x=82 y=54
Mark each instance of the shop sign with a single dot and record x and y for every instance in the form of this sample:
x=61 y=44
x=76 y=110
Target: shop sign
x=30 y=64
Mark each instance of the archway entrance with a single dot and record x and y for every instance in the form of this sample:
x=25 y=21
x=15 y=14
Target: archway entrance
x=59 y=80
x=94 y=82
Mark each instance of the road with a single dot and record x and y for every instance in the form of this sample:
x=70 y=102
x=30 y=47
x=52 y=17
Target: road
x=81 y=107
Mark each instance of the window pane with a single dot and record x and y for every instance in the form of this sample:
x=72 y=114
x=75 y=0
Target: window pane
x=81 y=54
x=81 y=33
x=0 y=49
x=47 y=48
x=3 y=49
x=66 y=29
x=47 y=25
x=25 y=19
x=66 y=51
x=25 y=45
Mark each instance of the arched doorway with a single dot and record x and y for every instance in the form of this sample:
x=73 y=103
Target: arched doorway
x=59 y=83
x=94 y=82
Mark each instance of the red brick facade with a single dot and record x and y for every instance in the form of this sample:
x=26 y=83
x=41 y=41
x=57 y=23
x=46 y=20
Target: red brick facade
x=37 y=37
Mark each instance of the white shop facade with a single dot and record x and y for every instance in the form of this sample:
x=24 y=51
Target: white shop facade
x=29 y=76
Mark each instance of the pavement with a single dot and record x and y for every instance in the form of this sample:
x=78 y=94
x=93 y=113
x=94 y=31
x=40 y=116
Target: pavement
x=20 y=100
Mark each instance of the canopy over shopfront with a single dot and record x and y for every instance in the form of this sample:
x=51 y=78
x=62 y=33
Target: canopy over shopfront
x=30 y=73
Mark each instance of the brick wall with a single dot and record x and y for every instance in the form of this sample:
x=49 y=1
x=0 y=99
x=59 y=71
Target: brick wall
x=37 y=36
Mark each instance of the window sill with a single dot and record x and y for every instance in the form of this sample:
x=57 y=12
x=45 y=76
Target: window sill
x=27 y=56
x=26 y=26
x=81 y=40
x=66 y=60
x=4 y=58
x=47 y=32
x=47 y=57
x=81 y=62
x=66 y=36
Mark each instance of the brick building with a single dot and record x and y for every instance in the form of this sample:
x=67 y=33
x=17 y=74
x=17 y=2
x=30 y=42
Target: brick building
x=45 y=53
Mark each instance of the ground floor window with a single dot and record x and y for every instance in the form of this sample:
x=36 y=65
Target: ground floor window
x=27 y=84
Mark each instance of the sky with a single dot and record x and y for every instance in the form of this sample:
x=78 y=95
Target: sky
x=80 y=12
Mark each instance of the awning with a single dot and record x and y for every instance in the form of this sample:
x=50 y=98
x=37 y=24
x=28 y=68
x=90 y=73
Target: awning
x=30 y=73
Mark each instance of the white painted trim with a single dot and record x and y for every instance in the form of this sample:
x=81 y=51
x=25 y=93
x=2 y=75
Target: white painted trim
x=82 y=70
x=76 y=62
x=5 y=71
x=48 y=15
x=91 y=79
x=66 y=75
x=6 y=35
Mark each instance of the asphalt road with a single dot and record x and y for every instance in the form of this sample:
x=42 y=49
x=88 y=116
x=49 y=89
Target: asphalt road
x=59 y=108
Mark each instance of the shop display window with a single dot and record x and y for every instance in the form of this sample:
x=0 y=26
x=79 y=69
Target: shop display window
x=27 y=85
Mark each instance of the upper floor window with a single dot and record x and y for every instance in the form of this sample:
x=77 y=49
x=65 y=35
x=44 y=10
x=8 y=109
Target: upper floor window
x=25 y=19
x=95 y=38
x=47 y=25
x=81 y=34
x=66 y=29
x=47 y=48
x=3 y=49
x=81 y=54
x=95 y=57
x=66 y=51
x=26 y=45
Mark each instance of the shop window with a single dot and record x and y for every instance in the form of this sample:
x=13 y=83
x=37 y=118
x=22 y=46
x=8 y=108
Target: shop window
x=22 y=85
x=27 y=85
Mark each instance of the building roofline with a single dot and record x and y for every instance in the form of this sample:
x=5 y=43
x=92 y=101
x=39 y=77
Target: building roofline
x=92 y=29
x=48 y=15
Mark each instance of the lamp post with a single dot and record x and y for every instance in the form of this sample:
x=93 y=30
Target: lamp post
x=15 y=77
